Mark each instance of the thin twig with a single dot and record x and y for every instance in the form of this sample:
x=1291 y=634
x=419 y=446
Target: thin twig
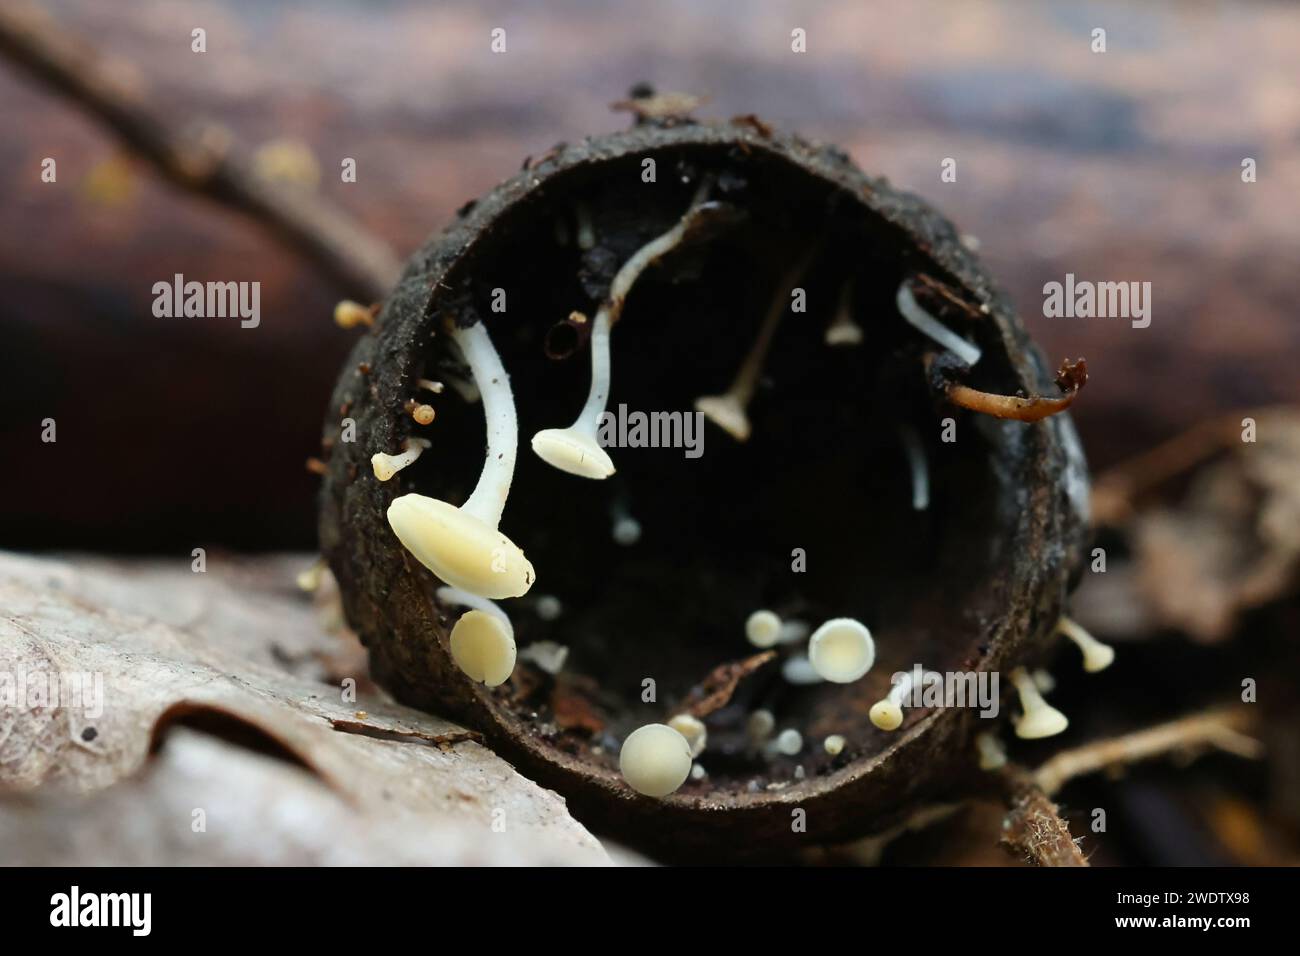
x=717 y=688
x=361 y=263
x=1220 y=730
x=1070 y=379
x=1033 y=828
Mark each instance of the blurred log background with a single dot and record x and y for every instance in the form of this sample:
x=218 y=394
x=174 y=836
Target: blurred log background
x=174 y=433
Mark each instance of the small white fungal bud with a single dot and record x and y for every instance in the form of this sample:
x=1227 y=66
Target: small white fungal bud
x=765 y=629
x=841 y=650
x=548 y=607
x=833 y=745
x=308 y=579
x=693 y=729
x=1096 y=655
x=1040 y=719
x=349 y=314
x=547 y=655
x=788 y=742
x=797 y=669
x=483 y=640
x=698 y=772
x=759 y=726
x=655 y=760
x=386 y=465
x=992 y=753
x=430 y=385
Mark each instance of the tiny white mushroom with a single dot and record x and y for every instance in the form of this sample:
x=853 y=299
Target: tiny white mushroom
x=547 y=655
x=430 y=385
x=843 y=331
x=548 y=607
x=462 y=546
x=1096 y=655
x=788 y=742
x=841 y=650
x=626 y=530
x=991 y=750
x=765 y=629
x=1040 y=718
x=576 y=449
x=797 y=669
x=385 y=465
x=655 y=760
x=728 y=410
x=834 y=745
x=924 y=322
x=349 y=314
x=759 y=726
x=698 y=772
x=887 y=713
x=483 y=639
x=693 y=729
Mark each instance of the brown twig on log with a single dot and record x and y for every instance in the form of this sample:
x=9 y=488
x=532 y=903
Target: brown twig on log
x=1220 y=730
x=715 y=691
x=360 y=262
x=1033 y=827
x=1070 y=379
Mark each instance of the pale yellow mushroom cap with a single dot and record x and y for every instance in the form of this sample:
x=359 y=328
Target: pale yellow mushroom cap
x=886 y=714
x=693 y=729
x=483 y=647
x=834 y=745
x=841 y=650
x=727 y=413
x=574 y=452
x=763 y=628
x=655 y=760
x=1040 y=719
x=459 y=548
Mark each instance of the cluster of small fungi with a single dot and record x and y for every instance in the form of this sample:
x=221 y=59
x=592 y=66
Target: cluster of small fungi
x=478 y=564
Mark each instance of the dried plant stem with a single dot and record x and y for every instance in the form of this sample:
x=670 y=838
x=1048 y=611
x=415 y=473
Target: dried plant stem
x=1221 y=730
x=1033 y=827
x=359 y=262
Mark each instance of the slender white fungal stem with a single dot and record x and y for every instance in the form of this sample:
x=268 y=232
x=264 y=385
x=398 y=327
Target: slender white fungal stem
x=887 y=714
x=797 y=669
x=477 y=602
x=586 y=231
x=728 y=410
x=488 y=499
x=924 y=322
x=386 y=465
x=843 y=331
x=916 y=462
x=462 y=545
x=1096 y=655
x=576 y=449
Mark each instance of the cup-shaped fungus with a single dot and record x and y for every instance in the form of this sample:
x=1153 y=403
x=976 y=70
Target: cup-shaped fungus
x=813 y=511
x=841 y=650
x=765 y=629
x=462 y=546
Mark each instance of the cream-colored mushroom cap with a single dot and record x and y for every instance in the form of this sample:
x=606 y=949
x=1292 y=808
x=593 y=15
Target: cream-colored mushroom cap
x=841 y=650
x=573 y=451
x=1040 y=718
x=727 y=413
x=693 y=729
x=763 y=628
x=655 y=760
x=483 y=647
x=886 y=714
x=459 y=548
